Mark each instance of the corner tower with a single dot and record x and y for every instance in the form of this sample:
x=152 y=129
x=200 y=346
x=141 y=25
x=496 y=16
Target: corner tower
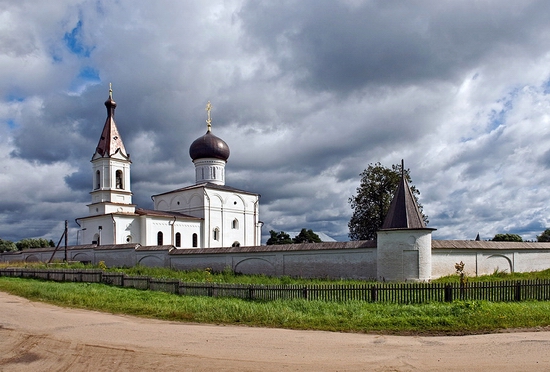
x=404 y=243
x=209 y=154
x=111 y=169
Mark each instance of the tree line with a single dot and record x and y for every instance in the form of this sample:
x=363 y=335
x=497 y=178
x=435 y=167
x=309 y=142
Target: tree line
x=371 y=203
x=8 y=245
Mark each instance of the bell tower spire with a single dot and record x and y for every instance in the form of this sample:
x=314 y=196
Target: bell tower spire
x=111 y=169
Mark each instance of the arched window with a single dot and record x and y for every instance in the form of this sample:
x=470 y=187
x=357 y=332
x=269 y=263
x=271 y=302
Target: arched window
x=216 y=234
x=178 y=240
x=118 y=178
x=159 y=238
x=96 y=239
x=195 y=241
x=97 y=180
x=236 y=244
x=235 y=224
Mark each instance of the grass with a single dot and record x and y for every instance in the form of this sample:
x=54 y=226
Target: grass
x=228 y=276
x=353 y=316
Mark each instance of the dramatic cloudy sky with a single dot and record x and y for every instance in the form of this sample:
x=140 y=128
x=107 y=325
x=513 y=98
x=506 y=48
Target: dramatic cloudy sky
x=306 y=93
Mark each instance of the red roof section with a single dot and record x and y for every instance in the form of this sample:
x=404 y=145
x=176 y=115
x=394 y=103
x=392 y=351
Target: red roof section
x=110 y=141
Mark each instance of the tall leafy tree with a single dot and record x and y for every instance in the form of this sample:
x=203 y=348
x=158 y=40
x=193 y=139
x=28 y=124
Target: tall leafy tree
x=33 y=243
x=372 y=201
x=306 y=236
x=545 y=236
x=278 y=238
x=507 y=238
x=7 y=245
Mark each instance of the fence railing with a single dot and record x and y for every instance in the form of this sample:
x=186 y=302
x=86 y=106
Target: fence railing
x=501 y=291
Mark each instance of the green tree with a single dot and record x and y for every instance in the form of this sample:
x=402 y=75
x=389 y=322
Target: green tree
x=7 y=245
x=278 y=238
x=372 y=201
x=545 y=236
x=32 y=243
x=306 y=236
x=507 y=238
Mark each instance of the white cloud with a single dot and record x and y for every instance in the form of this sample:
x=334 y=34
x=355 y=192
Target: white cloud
x=305 y=93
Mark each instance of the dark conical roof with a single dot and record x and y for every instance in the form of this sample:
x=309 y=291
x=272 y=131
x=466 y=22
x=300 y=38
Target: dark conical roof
x=110 y=141
x=403 y=212
x=209 y=146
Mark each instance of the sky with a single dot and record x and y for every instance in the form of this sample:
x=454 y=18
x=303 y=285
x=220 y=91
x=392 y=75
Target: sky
x=306 y=93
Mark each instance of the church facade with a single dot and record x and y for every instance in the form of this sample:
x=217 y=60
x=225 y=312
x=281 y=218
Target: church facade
x=208 y=214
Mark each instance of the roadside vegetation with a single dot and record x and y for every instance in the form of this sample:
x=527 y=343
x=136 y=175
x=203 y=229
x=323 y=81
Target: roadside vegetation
x=228 y=276
x=458 y=317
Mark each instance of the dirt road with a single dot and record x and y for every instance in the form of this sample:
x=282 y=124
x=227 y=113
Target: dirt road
x=40 y=337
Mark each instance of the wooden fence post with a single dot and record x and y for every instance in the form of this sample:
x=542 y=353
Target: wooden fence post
x=448 y=293
x=374 y=293
x=517 y=291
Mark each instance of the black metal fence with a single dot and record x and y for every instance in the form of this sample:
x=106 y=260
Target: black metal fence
x=379 y=292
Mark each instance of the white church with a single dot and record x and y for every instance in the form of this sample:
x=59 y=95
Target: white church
x=208 y=214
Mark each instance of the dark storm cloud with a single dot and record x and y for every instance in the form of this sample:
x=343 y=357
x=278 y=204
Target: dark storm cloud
x=305 y=93
x=341 y=46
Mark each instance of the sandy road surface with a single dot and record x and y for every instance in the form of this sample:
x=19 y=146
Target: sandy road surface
x=41 y=337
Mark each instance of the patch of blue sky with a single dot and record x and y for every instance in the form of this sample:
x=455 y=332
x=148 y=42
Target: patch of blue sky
x=14 y=98
x=86 y=76
x=546 y=87
x=12 y=124
x=89 y=74
x=498 y=118
x=73 y=41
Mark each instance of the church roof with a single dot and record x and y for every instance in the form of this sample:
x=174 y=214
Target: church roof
x=209 y=185
x=155 y=213
x=209 y=145
x=403 y=212
x=110 y=141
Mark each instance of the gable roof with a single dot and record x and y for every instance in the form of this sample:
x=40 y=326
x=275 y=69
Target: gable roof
x=209 y=185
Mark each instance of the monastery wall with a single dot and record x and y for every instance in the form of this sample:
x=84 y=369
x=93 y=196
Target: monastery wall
x=352 y=260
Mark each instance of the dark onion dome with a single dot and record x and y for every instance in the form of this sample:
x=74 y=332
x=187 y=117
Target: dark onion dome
x=209 y=146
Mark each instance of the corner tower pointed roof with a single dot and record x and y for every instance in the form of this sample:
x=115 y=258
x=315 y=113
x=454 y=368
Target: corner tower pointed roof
x=403 y=212
x=110 y=142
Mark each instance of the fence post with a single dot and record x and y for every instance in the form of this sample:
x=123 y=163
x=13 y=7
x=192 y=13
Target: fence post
x=517 y=292
x=304 y=292
x=374 y=293
x=448 y=293
x=250 y=293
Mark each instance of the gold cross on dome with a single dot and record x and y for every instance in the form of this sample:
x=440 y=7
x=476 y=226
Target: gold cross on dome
x=209 y=119
x=110 y=91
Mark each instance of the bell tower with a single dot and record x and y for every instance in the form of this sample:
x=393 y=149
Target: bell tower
x=111 y=169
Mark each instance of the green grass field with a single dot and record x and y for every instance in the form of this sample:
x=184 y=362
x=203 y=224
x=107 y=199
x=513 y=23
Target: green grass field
x=458 y=317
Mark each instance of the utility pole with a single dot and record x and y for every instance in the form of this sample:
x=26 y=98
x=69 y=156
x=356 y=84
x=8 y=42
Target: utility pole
x=66 y=234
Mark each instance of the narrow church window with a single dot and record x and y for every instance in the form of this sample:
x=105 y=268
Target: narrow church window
x=216 y=234
x=195 y=241
x=235 y=224
x=159 y=238
x=178 y=240
x=97 y=180
x=119 y=179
